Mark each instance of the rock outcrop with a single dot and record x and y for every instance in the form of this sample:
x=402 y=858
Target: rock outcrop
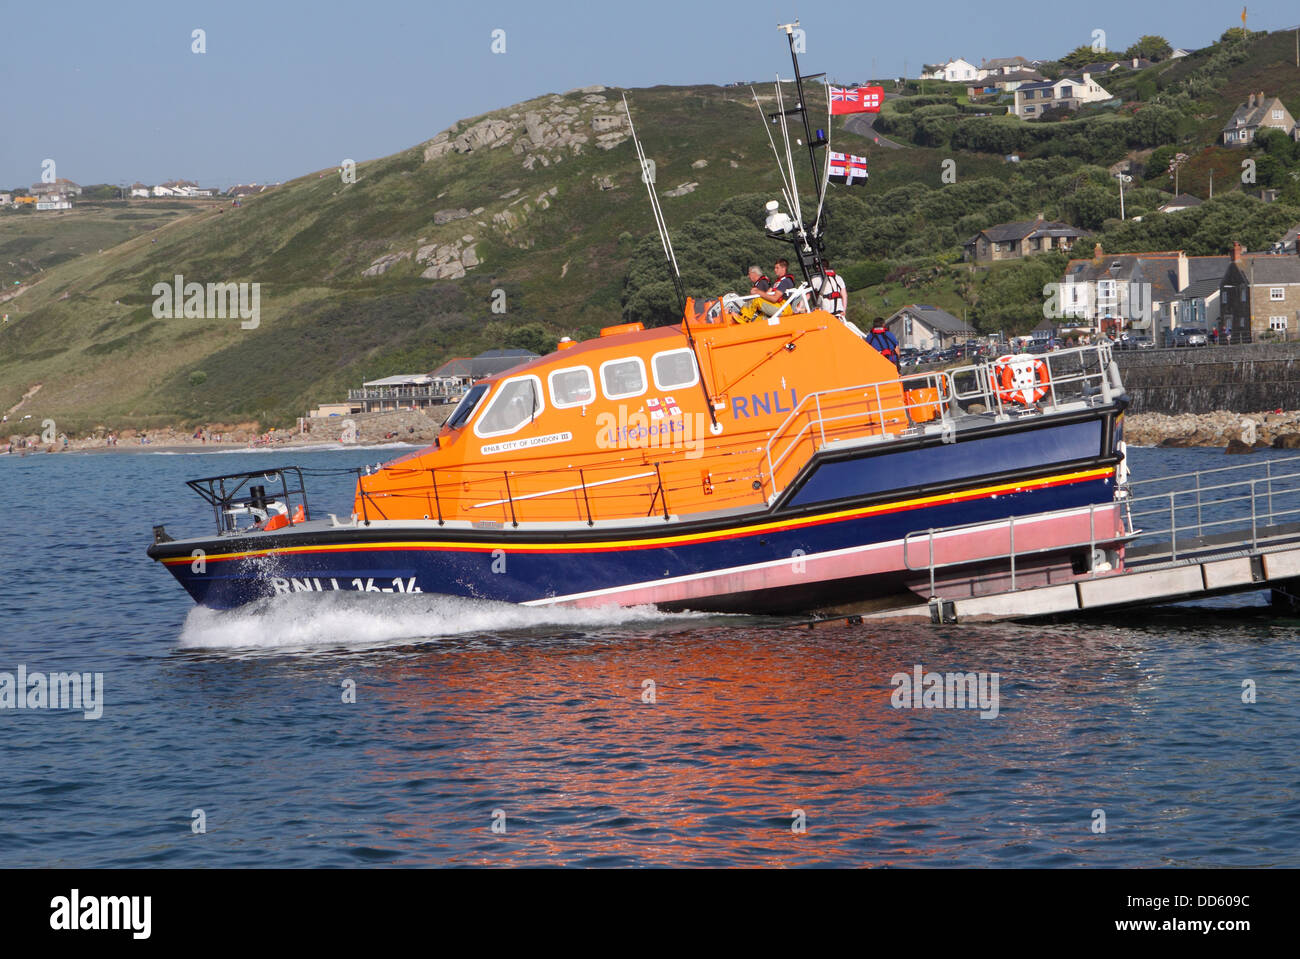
x=1278 y=428
x=385 y=263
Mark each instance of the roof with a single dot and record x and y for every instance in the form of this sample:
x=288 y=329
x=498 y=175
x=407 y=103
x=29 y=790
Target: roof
x=402 y=379
x=1160 y=269
x=998 y=62
x=457 y=366
x=1024 y=229
x=935 y=318
x=1248 y=116
x=1182 y=200
x=1271 y=267
x=487 y=363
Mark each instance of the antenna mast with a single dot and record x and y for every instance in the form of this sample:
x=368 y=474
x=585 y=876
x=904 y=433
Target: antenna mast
x=808 y=245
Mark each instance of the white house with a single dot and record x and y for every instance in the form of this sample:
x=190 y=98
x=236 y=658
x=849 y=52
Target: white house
x=139 y=189
x=5 y=199
x=54 y=201
x=956 y=70
x=161 y=190
x=1031 y=99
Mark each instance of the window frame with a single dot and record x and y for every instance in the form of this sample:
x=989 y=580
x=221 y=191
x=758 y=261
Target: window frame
x=695 y=369
x=645 y=380
x=1277 y=294
x=550 y=386
x=500 y=392
x=474 y=410
x=1278 y=324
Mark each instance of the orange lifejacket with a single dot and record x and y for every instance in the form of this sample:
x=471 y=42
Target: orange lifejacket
x=1021 y=379
x=299 y=514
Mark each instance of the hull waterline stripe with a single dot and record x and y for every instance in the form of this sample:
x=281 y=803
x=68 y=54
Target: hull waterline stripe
x=672 y=540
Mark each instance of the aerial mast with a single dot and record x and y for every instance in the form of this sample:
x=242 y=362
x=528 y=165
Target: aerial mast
x=809 y=244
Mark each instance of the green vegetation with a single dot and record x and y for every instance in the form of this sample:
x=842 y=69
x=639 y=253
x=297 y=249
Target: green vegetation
x=567 y=262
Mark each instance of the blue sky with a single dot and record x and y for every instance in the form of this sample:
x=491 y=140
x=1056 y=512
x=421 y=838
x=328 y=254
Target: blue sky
x=113 y=93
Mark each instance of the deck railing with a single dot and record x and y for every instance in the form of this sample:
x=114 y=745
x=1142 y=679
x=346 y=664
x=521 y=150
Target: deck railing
x=1179 y=510
x=1083 y=374
x=1110 y=531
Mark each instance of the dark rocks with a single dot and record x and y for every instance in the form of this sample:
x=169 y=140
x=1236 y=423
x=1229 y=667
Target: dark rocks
x=1237 y=446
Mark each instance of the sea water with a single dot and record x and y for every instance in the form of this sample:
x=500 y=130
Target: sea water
x=336 y=729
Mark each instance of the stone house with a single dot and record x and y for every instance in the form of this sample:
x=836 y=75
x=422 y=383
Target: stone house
x=1011 y=241
x=1258 y=113
x=1261 y=293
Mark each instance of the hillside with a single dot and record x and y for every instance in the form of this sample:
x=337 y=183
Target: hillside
x=527 y=208
x=542 y=200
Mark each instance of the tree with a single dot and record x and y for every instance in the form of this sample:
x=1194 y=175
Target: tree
x=1151 y=47
x=1081 y=56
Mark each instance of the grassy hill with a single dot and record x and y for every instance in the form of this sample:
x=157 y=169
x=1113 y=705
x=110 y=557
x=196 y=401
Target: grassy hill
x=554 y=237
x=542 y=200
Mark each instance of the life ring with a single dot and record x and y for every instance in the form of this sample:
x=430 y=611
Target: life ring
x=1021 y=379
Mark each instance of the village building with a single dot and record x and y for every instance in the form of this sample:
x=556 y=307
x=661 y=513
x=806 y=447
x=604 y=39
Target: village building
x=1011 y=241
x=1256 y=114
x=928 y=328
x=955 y=70
x=1032 y=100
x=1261 y=293
x=1146 y=294
x=1184 y=201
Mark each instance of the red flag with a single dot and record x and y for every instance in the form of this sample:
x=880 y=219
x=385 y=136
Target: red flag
x=859 y=100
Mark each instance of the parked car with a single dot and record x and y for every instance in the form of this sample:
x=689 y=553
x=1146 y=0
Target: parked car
x=1188 y=336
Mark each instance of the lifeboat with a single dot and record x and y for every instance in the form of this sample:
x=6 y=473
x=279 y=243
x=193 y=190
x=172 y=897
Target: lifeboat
x=771 y=466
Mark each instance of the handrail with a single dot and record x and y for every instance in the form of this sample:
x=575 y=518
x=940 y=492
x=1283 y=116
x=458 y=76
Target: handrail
x=1011 y=553
x=1257 y=491
x=1091 y=382
x=875 y=416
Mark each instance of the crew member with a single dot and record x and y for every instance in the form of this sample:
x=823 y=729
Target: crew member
x=772 y=301
x=884 y=342
x=832 y=292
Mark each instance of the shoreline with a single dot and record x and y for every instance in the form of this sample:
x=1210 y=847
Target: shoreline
x=1221 y=429
x=393 y=428
x=181 y=449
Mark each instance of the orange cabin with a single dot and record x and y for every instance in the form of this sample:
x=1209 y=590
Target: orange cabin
x=618 y=427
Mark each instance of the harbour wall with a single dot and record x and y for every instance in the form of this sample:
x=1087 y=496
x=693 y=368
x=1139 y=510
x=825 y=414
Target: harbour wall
x=1242 y=379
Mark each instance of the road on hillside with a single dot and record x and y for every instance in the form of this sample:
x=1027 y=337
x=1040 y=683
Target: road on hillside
x=864 y=125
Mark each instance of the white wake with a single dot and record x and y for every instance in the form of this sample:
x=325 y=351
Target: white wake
x=314 y=620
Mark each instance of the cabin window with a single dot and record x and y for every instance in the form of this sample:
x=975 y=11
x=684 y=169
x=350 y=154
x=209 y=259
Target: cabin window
x=674 y=369
x=465 y=408
x=623 y=378
x=516 y=403
x=572 y=387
